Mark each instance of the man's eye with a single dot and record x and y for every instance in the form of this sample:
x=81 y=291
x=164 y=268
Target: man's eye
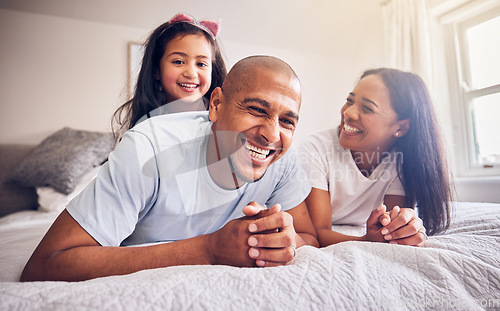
x=288 y=123
x=349 y=102
x=257 y=110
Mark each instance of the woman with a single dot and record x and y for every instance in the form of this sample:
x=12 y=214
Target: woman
x=387 y=150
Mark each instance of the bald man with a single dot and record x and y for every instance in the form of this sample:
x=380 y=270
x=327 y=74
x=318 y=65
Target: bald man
x=201 y=181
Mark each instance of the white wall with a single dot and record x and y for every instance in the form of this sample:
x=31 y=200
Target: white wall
x=59 y=72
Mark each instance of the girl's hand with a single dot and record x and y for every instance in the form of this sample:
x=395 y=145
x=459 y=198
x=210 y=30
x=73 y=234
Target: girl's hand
x=404 y=227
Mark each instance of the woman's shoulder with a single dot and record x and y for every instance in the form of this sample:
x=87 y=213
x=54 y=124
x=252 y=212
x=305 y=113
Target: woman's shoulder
x=321 y=146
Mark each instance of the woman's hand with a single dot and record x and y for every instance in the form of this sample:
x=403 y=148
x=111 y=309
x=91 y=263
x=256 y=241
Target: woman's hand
x=402 y=226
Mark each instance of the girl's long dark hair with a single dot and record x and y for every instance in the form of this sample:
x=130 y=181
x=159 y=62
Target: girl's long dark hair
x=147 y=95
x=423 y=168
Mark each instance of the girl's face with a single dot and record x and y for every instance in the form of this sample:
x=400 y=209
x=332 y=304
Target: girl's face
x=186 y=68
x=368 y=121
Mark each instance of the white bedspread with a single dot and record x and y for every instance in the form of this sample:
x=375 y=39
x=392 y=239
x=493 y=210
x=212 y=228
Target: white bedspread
x=459 y=270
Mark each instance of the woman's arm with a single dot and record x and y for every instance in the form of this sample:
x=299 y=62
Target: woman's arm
x=318 y=204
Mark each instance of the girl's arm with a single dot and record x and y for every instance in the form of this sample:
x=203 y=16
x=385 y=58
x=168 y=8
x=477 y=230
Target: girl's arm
x=318 y=204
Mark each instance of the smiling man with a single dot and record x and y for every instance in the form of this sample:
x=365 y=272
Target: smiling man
x=199 y=180
x=258 y=110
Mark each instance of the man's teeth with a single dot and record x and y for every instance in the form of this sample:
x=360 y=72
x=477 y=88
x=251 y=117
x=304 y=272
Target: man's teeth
x=256 y=152
x=351 y=129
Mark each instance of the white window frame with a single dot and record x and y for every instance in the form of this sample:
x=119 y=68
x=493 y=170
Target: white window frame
x=455 y=25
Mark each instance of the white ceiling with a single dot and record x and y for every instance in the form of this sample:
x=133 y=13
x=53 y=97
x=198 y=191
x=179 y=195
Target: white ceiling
x=314 y=25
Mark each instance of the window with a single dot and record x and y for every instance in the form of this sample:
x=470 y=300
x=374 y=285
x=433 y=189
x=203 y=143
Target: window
x=476 y=85
x=481 y=87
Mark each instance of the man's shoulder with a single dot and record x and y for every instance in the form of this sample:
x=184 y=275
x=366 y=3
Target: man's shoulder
x=288 y=163
x=173 y=120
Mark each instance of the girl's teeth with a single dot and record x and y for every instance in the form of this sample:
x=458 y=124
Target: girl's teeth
x=189 y=86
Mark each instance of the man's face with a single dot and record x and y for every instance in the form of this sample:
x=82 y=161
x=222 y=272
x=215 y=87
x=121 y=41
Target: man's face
x=255 y=123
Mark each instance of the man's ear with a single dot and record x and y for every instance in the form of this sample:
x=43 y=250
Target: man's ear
x=404 y=127
x=215 y=101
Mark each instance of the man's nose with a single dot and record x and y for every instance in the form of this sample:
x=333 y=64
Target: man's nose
x=271 y=130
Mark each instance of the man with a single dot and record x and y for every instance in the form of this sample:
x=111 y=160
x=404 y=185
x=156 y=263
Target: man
x=198 y=180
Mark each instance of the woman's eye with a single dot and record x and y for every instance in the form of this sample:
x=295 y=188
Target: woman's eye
x=367 y=109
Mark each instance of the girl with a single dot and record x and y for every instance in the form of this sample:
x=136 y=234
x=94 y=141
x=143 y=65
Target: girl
x=388 y=151
x=182 y=65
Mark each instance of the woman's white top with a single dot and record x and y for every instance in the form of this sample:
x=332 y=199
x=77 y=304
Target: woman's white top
x=352 y=195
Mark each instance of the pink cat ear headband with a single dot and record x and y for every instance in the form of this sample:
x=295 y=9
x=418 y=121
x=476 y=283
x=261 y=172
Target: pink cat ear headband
x=210 y=27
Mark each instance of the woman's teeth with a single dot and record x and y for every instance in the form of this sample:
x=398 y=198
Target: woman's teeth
x=351 y=129
x=256 y=152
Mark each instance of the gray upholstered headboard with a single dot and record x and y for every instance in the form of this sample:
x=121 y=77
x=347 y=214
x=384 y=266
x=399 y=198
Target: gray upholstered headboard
x=13 y=197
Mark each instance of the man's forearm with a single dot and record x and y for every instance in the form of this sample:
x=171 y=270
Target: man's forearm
x=88 y=262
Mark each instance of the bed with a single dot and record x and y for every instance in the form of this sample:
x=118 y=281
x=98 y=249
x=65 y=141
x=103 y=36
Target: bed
x=459 y=270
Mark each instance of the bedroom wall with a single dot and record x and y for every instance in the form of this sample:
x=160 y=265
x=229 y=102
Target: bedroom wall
x=59 y=72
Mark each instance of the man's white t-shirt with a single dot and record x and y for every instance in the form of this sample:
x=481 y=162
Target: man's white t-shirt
x=156 y=186
x=353 y=196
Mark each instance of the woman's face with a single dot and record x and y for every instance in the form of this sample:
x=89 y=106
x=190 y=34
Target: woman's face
x=368 y=120
x=186 y=68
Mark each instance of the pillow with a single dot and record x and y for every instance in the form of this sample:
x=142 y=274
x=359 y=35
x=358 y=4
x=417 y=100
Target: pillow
x=62 y=159
x=49 y=200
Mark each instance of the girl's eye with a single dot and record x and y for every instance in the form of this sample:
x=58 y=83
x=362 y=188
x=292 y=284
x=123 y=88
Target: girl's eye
x=202 y=65
x=177 y=62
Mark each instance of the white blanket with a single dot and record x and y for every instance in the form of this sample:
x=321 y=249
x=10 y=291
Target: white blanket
x=459 y=270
